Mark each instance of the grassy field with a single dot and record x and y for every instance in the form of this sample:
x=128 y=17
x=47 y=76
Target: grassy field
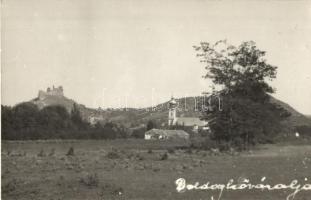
x=138 y=169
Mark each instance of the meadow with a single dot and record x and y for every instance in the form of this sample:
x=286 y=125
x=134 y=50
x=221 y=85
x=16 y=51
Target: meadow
x=138 y=169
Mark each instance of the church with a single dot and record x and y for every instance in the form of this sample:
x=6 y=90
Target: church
x=194 y=122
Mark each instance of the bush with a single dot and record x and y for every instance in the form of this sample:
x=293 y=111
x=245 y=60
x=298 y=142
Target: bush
x=70 y=152
x=164 y=156
x=171 y=150
x=41 y=153
x=139 y=157
x=139 y=133
x=304 y=130
x=113 y=155
x=224 y=146
x=52 y=152
x=90 y=180
x=204 y=143
x=189 y=151
x=215 y=151
x=10 y=186
x=111 y=189
x=209 y=143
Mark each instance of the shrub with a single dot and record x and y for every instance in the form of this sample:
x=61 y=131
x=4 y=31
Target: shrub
x=224 y=146
x=139 y=133
x=215 y=152
x=304 y=130
x=171 y=150
x=41 y=153
x=61 y=180
x=90 y=180
x=130 y=155
x=52 y=152
x=139 y=157
x=10 y=186
x=156 y=169
x=111 y=189
x=70 y=152
x=189 y=151
x=209 y=144
x=113 y=154
x=164 y=156
x=149 y=151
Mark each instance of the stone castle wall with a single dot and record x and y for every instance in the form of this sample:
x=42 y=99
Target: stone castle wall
x=51 y=92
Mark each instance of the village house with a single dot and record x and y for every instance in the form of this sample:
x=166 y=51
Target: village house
x=159 y=134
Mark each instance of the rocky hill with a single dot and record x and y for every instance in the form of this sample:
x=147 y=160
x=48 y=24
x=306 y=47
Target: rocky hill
x=55 y=96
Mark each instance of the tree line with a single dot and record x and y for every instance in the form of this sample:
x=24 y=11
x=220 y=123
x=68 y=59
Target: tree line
x=26 y=121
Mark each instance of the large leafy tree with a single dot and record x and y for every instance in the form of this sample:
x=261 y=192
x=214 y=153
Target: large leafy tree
x=55 y=118
x=243 y=74
x=25 y=116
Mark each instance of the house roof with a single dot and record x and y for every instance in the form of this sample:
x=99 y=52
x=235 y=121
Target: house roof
x=168 y=133
x=173 y=101
x=190 y=121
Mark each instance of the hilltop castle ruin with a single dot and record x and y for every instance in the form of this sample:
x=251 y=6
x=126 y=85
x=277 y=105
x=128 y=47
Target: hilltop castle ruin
x=51 y=92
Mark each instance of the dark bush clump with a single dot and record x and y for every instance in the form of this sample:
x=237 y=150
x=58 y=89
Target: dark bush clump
x=70 y=152
x=171 y=150
x=41 y=153
x=90 y=180
x=113 y=155
x=189 y=151
x=10 y=186
x=111 y=189
x=52 y=152
x=164 y=156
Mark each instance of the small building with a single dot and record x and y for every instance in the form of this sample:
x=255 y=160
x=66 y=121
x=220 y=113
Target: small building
x=190 y=121
x=194 y=122
x=159 y=134
x=94 y=119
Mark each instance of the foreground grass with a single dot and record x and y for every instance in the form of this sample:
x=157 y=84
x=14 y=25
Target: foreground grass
x=138 y=169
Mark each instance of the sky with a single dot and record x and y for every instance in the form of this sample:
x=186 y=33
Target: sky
x=134 y=53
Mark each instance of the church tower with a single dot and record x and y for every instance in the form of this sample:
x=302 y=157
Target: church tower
x=172 y=112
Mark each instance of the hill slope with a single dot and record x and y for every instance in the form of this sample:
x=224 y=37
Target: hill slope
x=130 y=117
x=65 y=102
x=296 y=118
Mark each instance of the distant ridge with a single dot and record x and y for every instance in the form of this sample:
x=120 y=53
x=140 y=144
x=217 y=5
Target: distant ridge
x=193 y=104
x=188 y=107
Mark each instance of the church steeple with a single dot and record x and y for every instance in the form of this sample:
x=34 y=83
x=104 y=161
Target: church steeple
x=172 y=112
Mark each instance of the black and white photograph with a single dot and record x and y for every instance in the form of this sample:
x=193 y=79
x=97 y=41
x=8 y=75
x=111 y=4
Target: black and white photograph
x=155 y=100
